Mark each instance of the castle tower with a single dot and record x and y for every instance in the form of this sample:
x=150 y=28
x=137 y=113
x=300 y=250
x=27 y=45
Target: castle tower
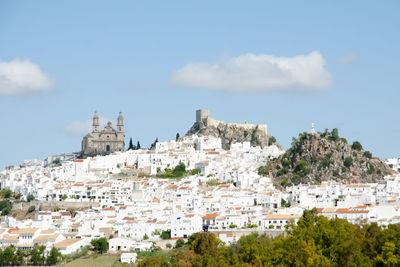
x=202 y=114
x=120 y=123
x=95 y=124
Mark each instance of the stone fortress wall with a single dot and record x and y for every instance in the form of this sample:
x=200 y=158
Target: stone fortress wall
x=203 y=116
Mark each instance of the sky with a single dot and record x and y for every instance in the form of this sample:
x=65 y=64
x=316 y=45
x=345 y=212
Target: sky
x=281 y=63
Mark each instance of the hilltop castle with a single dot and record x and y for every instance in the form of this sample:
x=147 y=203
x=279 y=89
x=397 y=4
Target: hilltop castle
x=106 y=141
x=204 y=120
x=229 y=133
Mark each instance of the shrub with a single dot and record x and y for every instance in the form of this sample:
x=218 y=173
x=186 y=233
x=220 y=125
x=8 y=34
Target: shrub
x=285 y=183
x=6 y=193
x=284 y=203
x=168 y=245
x=348 y=161
x=179 y=243
x=31 y=209
x=271 y=140
x=334 y=135
x=195 y=171
x=356 y=145
x=371 y=169
x=5 y=207
x=368 y=154
x=30 y=198
x=296 y=179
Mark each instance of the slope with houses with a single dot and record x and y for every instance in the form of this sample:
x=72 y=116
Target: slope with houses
x=127 y=202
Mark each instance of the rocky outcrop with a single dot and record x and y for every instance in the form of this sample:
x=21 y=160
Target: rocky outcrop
x=232 y=133
x=316 y=157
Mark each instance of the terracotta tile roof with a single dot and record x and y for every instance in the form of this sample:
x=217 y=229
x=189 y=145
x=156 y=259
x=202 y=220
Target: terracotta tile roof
x=282 y=216
x=26 y=231
x=49 y=231
x=67 y=242
x=351 y=211
x=46 y=237
x=10 y=238
x=210 y=215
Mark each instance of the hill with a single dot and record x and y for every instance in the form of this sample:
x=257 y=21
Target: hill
x=316 y=157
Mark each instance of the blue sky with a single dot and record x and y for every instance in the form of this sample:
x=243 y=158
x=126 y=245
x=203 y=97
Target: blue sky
x=113 y=56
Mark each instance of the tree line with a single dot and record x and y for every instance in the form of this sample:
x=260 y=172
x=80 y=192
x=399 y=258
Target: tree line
x=314 y=241
x=11 y=256
x=131 y=146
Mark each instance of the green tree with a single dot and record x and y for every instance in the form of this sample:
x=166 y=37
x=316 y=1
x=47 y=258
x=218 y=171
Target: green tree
x=166 y=234
x=334 y=136
x=20 y=257
x=204 y=243
x=53 y=257
x=177 y=137
x=145 y=237
x=8 y=256
x=153 y=145
x=100 y=245
x=37 y=255
x=138 y=145
x=179 y=170
x=131 y=146
x=388 y=257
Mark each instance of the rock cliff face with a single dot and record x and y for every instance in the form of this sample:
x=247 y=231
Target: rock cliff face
x=232 y=133
x=318 y=157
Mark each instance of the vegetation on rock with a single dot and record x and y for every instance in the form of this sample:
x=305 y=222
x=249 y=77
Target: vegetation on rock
x=316 y=157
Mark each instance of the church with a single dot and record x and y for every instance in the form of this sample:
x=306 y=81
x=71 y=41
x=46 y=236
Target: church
x=106 y=141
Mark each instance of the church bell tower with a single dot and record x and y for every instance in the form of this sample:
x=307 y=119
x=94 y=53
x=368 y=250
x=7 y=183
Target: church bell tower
x=95 y=124
x=120 y=123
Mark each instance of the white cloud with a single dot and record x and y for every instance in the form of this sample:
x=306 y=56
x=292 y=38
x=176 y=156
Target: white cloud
x=249 y=73
x=348 y=59
x=22 y=76
x=81 y=128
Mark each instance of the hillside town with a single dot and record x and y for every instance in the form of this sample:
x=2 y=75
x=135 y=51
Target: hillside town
x=125 y=197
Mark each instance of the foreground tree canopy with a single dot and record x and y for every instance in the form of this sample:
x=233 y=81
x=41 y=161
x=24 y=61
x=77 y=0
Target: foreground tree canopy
x=315 y=241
